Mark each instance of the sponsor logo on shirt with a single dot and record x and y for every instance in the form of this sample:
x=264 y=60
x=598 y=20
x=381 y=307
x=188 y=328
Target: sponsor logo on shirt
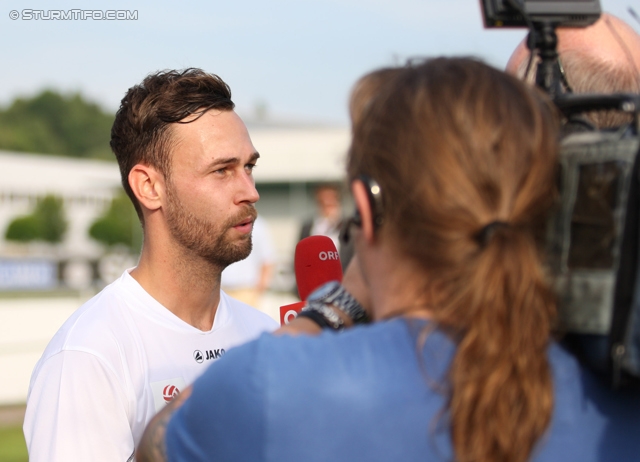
x=169 y=392
x=208 y=355
x=164 y=391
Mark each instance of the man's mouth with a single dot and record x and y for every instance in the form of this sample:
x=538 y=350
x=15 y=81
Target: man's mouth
x=245 y=225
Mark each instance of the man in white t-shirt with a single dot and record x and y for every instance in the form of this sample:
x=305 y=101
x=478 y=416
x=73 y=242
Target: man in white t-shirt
x=186 y=162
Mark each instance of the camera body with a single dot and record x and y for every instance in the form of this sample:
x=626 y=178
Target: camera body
x=592 y=247
x=593 y=235
x=568 y=13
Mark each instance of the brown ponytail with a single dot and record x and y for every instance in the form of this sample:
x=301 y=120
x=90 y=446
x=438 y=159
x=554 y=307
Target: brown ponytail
x=455 y=146
x=501 y=384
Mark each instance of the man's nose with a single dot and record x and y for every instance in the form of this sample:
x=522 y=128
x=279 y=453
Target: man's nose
x=248 y=192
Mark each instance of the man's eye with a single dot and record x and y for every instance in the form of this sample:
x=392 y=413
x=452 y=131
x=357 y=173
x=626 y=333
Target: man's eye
x=251 y=167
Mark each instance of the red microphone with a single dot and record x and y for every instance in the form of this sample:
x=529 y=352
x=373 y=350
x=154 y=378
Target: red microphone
x=316 y=262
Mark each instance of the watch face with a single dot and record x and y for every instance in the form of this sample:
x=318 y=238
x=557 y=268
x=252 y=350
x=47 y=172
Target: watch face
x=324 y=290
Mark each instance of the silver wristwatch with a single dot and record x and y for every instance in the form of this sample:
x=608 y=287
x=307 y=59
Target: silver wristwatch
x=332 y=294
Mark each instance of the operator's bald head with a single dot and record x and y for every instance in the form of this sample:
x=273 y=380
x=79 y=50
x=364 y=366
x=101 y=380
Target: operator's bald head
x=602 y=58
x=608 y=40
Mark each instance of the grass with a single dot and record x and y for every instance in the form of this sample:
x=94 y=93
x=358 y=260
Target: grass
x=53 y=293
x=12 y=445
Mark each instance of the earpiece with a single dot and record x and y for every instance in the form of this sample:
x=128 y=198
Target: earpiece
x=374 y=196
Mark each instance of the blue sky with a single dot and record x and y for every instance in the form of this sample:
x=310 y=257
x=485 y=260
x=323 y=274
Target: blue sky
x=299 y=57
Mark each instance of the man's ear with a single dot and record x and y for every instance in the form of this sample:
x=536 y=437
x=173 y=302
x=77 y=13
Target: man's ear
x=148 y=185
x=361 y=198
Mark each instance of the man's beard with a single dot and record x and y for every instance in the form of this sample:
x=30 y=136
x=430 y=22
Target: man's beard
x=206 y=239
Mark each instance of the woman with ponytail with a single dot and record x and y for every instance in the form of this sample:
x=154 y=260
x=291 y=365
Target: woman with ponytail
x=452 y=168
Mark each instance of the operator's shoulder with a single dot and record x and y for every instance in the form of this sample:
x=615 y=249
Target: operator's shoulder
x=565 y=367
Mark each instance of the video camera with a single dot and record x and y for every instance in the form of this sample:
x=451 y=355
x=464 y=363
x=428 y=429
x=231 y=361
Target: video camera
x=593 y=234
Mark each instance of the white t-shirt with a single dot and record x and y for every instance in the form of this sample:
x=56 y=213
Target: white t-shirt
x=114 y=363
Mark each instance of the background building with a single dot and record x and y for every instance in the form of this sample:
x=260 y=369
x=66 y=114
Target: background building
x=293 y=161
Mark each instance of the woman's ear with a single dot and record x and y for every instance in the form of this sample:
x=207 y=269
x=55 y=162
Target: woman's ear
x=147 y=185
x=363 y=206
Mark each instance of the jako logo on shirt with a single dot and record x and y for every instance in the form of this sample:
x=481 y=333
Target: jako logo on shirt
x=169 y=392
x=208 y=355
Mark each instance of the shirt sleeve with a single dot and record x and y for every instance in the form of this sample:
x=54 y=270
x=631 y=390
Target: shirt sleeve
x=225 y=414
x=77 y=410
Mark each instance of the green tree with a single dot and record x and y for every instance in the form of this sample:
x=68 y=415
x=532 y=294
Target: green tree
x=23 y=229
x=119 y=225
x=53 y=123
x=46 y=223
x=50 y=213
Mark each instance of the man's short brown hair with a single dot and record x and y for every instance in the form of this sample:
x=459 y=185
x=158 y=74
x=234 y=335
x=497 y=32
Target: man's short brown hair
x=588 y=74
x=140 y=132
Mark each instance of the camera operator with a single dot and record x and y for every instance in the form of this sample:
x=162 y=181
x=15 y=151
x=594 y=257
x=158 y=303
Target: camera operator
x=603 y=58
x=452 y=167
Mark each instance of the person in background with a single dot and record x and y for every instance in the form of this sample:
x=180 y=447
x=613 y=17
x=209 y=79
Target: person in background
x=603 y=58
x=452 y=169
x=247 y=280
x=328 y=220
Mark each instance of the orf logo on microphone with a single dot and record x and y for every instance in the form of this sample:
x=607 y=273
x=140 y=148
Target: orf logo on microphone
x=169 y=392
x=328 y=256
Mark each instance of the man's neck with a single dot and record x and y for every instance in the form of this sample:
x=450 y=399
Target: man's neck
x=187 y=286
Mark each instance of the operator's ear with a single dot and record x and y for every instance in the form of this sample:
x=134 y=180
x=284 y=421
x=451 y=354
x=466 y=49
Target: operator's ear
x=363 y=209
x=148 y=185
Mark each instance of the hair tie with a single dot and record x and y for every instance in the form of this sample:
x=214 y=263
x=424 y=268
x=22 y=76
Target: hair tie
x=485 y=234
